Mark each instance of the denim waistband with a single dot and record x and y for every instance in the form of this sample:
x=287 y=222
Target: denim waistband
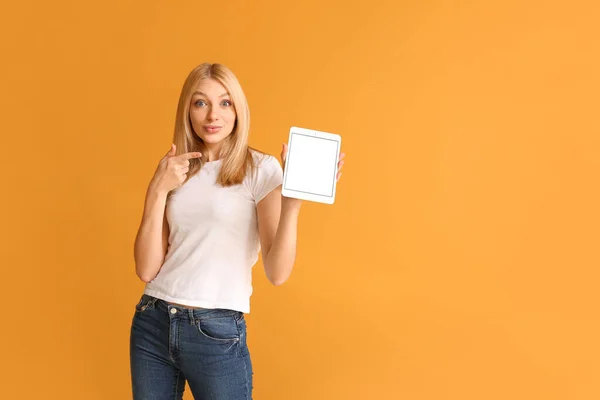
x=148 y=301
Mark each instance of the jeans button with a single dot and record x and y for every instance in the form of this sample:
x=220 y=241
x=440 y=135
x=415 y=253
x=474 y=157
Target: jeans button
x=173 y=311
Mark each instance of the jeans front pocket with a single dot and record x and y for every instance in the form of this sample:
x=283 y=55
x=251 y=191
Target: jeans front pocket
x=219 y=329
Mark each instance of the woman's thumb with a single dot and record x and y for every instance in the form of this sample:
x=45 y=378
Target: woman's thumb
x=172 y=151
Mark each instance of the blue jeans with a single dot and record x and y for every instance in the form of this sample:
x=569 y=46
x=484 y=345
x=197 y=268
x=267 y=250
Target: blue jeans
x=170 y=345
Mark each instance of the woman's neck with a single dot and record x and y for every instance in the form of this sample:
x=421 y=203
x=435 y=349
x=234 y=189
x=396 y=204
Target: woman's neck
x=213 y=151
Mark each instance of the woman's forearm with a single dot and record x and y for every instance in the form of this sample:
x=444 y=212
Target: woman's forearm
x=152 y=236
x=282 y=254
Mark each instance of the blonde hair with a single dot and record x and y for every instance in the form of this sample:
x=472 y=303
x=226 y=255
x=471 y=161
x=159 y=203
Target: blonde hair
x=235 y=152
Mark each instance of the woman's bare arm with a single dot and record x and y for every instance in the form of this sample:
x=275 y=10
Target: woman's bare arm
x=152 y=239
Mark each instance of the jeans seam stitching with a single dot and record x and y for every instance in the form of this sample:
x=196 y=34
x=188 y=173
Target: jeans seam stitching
x=177 y=384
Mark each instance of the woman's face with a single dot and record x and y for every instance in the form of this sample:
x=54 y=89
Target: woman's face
x=212 y=113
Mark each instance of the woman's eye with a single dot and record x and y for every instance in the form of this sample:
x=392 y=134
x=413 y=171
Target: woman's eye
x=226 y=103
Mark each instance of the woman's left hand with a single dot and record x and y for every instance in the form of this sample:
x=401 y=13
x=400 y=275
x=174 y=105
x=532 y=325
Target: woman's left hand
x=296 y=203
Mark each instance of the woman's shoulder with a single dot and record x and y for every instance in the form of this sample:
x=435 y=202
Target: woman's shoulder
x=267 y=174
x=261 y=158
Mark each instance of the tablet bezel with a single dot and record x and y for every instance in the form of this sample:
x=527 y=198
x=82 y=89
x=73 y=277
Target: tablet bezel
x=311 y=196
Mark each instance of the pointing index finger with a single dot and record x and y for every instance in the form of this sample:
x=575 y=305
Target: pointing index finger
x=187 y=156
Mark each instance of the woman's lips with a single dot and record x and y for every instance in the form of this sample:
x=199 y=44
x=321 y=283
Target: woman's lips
x=212 y=129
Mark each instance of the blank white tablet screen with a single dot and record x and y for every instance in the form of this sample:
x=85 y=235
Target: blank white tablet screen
x=311 y=164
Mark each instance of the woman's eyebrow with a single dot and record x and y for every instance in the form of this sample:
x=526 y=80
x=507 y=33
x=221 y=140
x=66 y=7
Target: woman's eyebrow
x=202 y=94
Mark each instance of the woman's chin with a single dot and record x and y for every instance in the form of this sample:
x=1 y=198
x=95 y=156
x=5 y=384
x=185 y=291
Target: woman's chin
x=210 y=139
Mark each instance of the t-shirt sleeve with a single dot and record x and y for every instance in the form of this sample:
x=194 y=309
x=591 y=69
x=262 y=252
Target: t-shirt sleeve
x=269 y=175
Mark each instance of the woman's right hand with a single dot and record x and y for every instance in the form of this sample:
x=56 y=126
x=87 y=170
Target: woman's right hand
x=172 y=170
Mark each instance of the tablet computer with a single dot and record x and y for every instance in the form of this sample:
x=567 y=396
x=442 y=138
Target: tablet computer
x=311 y=165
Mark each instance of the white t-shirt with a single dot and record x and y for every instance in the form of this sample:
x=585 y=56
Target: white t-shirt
x=214 y=240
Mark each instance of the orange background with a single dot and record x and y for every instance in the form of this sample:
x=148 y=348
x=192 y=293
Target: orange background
x=460 y=260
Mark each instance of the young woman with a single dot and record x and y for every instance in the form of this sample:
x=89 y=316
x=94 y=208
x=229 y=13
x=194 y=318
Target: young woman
x=211 y=206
